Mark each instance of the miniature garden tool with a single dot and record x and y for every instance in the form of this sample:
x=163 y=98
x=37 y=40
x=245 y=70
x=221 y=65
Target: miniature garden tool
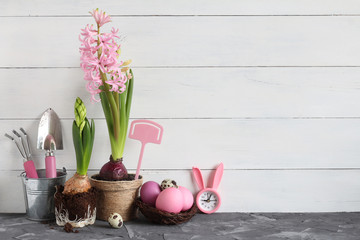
x=146 y=132
x=50 y=139
x=29 y=165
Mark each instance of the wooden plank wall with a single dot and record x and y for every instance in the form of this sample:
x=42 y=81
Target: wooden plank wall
x=268 y=87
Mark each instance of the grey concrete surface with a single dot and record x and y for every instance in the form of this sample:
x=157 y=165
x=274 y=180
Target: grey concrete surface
x=257 y=226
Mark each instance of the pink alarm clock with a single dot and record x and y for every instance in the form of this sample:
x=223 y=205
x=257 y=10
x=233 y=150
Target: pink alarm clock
x=208 y=200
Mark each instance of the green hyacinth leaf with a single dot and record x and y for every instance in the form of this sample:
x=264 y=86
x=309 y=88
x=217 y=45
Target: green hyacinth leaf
x=87 y=142
x=79 y=151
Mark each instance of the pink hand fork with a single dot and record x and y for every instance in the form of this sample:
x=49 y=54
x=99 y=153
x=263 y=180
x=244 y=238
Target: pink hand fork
x=29 y=165
x=214 y=184
x=145 y=131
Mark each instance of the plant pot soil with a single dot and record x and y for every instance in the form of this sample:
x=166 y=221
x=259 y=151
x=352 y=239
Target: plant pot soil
x=78 y=210
x=116 y=197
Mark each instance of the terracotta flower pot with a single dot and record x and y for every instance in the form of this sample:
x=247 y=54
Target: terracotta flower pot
x=116 y=197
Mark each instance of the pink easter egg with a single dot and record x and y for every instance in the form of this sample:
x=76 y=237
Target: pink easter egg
x=170 y=200
x=149 y=192
x=188 y=198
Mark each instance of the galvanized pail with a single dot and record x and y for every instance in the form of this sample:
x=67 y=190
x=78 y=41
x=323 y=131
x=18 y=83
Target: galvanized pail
x=39 y=194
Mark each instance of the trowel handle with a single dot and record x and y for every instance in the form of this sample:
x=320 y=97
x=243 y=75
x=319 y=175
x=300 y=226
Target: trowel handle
x=30 y=169
x=50 y=165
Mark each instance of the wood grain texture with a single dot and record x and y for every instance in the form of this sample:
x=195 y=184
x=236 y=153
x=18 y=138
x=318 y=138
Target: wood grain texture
x=179 y=7
x=238 y=143
x=189 y=41
x=268 y=87
x=243 y=190
x=193 y=93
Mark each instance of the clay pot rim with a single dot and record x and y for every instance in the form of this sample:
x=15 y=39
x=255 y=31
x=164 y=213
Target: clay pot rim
x=115 y=185
x=92 y=177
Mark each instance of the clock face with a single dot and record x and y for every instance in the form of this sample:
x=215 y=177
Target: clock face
x=208 y=201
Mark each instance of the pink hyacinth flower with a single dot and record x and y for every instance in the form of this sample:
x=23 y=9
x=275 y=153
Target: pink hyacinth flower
x=99 y=58
x=100 y=17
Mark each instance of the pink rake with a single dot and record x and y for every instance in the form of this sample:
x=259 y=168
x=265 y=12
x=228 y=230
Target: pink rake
x=145 y=131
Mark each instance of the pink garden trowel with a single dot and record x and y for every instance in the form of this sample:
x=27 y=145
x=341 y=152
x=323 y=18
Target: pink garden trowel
x=146 y=132
x=50 y=139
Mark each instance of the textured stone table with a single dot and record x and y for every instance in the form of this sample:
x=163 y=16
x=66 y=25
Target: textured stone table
x=323 y=226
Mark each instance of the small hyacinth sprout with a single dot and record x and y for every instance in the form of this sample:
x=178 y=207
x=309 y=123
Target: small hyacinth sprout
x=83 y=139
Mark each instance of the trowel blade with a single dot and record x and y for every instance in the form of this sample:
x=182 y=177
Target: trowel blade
x=49 y=132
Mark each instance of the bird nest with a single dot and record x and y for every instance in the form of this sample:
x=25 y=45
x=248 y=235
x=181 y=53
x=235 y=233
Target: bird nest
x=162 y=217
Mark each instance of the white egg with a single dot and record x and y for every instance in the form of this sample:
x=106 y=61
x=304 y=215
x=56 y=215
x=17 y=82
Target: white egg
x=115 y=220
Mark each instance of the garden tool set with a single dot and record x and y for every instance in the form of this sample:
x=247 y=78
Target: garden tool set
x=49 y=139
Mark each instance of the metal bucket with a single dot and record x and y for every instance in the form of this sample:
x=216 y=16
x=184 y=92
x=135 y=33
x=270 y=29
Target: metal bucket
x=39 y=194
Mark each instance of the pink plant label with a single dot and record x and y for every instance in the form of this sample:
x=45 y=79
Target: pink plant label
x=145 y=131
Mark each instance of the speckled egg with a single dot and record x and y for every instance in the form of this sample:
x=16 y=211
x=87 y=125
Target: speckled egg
x=168 y=183
x=115 y=220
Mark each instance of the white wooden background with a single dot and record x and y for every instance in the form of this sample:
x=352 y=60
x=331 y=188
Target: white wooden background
x=268 y=87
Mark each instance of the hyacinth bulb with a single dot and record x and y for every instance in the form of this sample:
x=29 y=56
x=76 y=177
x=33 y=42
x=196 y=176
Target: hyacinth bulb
x=113 y=170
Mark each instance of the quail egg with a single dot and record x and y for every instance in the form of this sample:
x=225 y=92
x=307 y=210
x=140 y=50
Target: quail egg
x=115 y=220
x=167 y=183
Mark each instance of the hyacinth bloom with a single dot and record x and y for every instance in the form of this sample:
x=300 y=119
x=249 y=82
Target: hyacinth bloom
x=107 y=77
x=100 y=17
